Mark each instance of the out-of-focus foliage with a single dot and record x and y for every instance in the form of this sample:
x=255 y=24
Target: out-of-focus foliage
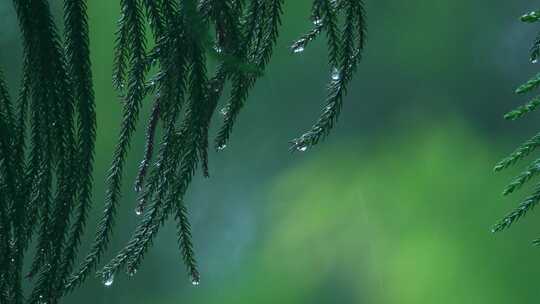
x=384 y=227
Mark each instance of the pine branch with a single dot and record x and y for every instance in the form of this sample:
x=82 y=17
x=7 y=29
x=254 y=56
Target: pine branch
x=149 y=149
x=344 y=54
x=530 y=85
x=520 y=180
x=522 y=151
x=46 y=179
x=78 y=56
x=526 y=148
x=7 y=188
x=522 y=110
x=52 y=117
x=300 y=45
x=531 y=17
x=259 y=53
x=132 y=24
x=525 y=206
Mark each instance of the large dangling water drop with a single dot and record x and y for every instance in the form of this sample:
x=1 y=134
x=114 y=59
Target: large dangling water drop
x=298 y=49
x=302 y=148
x=40 y=300
x=108 y=279
x=335 y=74
x=139 y=210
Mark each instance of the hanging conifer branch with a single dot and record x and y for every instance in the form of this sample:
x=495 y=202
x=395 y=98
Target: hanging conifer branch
x=244 y=48
x=43 y=178
x=244 y=41
x=78 y=56
x=344 y=53
x=132 y=38
x=46 y=175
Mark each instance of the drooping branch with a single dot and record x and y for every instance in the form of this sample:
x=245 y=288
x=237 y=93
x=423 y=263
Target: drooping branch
x=527 y=147
x=344 y=52
x=47 y=148
x=243 y=39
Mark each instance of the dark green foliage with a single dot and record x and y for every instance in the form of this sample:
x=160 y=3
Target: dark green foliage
x=527 y=147
x=46 y=177
x=185 y=99
x=345 y=47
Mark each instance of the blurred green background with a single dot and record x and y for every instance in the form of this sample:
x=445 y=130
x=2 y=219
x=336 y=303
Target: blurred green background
x=394 y=207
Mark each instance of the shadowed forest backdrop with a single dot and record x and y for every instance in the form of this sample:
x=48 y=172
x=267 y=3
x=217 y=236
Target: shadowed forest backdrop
x=394 y=207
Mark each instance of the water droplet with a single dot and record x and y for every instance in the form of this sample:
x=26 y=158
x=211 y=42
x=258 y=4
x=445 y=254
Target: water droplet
x=12 y=260
x=137 y=188
x=298 y=49
x=218 y=49
x=132 y=271
x=302 y=148
x=139 y=210
x=108 y=279
x=317 y=22
x=534 y=61
x=222 y=147
x=224 y=111
x=335 y=74
x=41 y=301
x=195 y=282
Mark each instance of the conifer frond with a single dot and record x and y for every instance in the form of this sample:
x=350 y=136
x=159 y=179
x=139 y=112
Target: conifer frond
x=149 y=147
x=299 y=45
x=132 y=25
x=524 y=109
x=531 y=17
x=78 y=57
x=526 y=205
x=47 y=151
x=55 y=85
x=535 y=49
x=522 y=151
x=526 y=148
x=344 y=53
x=520 y=180
x=244 y=40
x=530 y=85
